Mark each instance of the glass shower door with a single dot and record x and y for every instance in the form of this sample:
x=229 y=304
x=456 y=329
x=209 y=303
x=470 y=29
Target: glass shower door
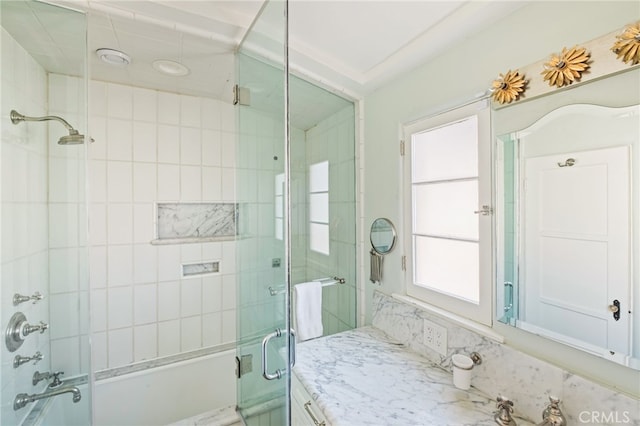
x=263 y=347
x=43 y=228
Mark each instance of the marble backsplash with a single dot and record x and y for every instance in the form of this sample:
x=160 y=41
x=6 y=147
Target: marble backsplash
x=526 y=380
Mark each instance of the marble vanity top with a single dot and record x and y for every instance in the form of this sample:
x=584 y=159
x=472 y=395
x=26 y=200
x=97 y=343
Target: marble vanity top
x=363 y=377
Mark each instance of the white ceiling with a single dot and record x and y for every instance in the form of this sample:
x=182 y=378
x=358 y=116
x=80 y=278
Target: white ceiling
x=351 y=46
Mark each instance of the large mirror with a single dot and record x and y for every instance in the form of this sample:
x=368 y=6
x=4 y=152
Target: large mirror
x=567 y=168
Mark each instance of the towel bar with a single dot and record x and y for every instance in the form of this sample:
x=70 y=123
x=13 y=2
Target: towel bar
x=326 y=282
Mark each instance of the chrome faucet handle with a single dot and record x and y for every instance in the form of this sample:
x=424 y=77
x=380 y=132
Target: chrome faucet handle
x=56 y=379
x=38 y=377
x=19 y=359
x=18 y=298
x=505 y=409
x=552 y=415
x=27 y=329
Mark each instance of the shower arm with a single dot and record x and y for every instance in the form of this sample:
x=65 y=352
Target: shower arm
x=16 y=118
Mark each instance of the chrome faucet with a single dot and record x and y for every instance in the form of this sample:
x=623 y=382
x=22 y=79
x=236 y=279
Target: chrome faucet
x=552 y=416
x=505 y=409
x=23 y=399
x=38 y=376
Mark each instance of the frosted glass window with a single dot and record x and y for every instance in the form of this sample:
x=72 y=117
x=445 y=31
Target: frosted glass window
x=319 y=207
x=319 y=177
x=446 y=209
x=319 y=238
x=446 y=152
x=279 y=206
x=448 y=266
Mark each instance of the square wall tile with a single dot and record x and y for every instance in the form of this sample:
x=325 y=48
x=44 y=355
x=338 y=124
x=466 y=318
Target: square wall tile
x=144 y=182
x=145 y=142
x=168 y=108
x=64 y=315
x=168 y=182
x=119 y=139
x=143 y=223
x=191 y=333
x=120 y=307
x=190 y=183
x=168 y=144
x=98 y=266
x=120 y=223
x=98 y=224
x=98 y=98
x=145 y=263
x=212 y=294
x=228 y=292
x=99 y=351
x=228 y=326
x=169 y=263
x=191 y=297
x=98 y=310
x=211 y=147
x=98 y=181
x=98 y=131
x=119 y=181
x=63 y=270
x=145 y=342
x=211 y=114
x=168 y=338
x=212 y=329
x=145 y=302
x=211 y=184
x=65 y=356
x=120 y=347
x=168 y=300
x=190 y=111
x=119 y=101
x=190 y=146
x=145 y=103
x=120 y=265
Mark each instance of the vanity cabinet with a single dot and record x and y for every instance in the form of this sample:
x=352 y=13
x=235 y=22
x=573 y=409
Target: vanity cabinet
x=304 y=410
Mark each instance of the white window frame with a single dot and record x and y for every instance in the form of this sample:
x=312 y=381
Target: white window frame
x=323 y=190
x=483 y=311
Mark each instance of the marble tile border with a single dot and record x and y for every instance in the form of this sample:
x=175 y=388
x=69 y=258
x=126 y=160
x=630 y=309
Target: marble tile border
x=522 y=378
x=159 y=362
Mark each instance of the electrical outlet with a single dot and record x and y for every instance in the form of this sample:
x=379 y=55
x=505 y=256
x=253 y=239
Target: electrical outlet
x=435 y=337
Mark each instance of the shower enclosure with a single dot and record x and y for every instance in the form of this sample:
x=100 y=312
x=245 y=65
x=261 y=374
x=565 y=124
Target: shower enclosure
x=44 y=279
x=295 y=188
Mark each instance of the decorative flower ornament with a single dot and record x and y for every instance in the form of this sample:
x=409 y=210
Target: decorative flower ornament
x=627 y=47
x=566 y=67
x=508 y=87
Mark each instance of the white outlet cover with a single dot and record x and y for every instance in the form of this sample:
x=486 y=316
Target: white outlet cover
x=435 y=337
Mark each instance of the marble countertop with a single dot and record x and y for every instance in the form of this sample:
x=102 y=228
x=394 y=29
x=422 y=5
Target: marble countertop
x=363 y=377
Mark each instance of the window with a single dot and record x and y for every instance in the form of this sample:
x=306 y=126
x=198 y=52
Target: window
x=449 y=236
x=319 y=207
x=279 y=206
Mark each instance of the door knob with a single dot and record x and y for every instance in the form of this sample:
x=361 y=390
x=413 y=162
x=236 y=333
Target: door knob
x=615 y=309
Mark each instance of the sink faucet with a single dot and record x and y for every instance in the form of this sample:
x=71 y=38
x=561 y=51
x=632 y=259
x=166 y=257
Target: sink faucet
x=503 y=415
x=23 y=399
x=552 y=416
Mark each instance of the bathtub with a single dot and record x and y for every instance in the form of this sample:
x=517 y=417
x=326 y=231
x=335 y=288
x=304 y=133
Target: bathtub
x=168 y=393
x=61 y=410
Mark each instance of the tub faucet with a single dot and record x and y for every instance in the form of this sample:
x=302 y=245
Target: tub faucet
x=503 y=415
x=23 y=399
x=552 y=416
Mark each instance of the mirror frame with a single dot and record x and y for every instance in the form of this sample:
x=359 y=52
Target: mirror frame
x=394 y=235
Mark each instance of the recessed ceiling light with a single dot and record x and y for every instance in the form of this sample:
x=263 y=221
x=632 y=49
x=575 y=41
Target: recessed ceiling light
x=113 y=57
x=168 y=67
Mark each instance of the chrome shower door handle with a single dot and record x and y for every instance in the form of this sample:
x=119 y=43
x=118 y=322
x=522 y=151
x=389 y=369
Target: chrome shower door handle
x=292 y=354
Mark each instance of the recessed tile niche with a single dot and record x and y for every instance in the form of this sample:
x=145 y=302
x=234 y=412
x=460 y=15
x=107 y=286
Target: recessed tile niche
x=178 y=223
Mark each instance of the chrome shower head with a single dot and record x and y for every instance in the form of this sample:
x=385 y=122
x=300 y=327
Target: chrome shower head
x=73 y=138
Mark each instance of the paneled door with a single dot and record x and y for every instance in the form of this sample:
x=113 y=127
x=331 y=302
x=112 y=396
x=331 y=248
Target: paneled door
x=577 y=247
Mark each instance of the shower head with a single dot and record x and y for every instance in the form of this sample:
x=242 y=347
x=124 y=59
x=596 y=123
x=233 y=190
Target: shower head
x=73 y=138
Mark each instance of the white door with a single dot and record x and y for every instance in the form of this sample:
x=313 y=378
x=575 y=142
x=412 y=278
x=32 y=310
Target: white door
x=577 y=247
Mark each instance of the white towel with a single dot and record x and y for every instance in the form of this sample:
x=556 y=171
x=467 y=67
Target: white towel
x=308 y=310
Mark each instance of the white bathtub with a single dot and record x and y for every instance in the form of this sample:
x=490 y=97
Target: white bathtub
x=163 y=395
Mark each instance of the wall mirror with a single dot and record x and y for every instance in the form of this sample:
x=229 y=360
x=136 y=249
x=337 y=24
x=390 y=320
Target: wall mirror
x=567 y=170
x=383 y=235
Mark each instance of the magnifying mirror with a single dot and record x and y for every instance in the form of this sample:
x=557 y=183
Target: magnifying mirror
x=383 y=235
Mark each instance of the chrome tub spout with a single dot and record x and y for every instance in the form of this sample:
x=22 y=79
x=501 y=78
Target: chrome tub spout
x=23 y=399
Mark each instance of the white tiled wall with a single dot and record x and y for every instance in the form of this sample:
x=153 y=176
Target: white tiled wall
x=153 y=146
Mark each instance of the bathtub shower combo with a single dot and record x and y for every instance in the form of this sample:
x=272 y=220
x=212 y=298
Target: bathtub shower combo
x=116 y=280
